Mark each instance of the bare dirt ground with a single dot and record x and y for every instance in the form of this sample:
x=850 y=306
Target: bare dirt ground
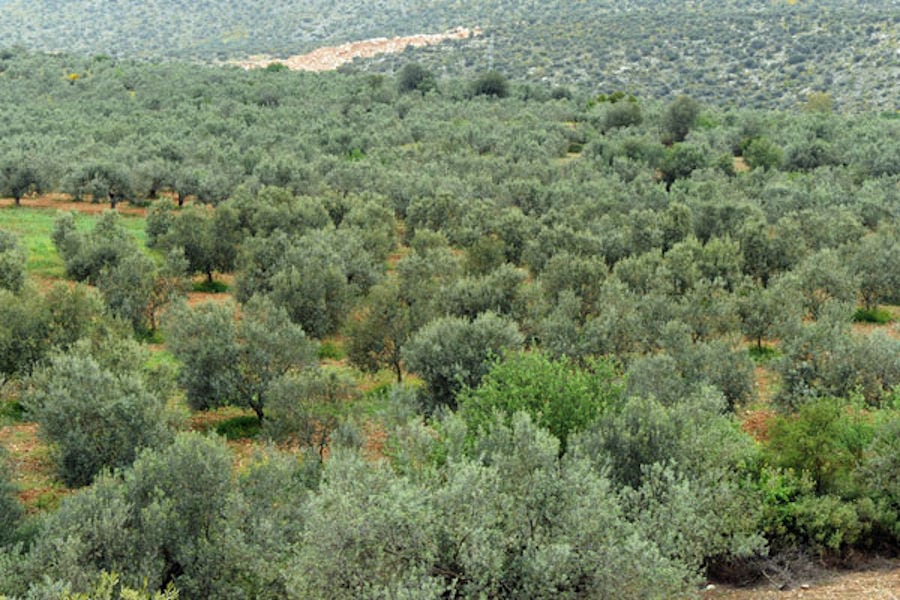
x=879 y=582
x=64 y=202
x=32 y=467
x=331 y=57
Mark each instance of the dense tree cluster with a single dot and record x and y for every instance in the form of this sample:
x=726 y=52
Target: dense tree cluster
x=581 y=289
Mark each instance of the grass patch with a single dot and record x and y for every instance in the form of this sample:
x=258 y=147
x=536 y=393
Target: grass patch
x=879 y=316
x=331 y=350
x=763 y=354
x=11 y=411
x=237 y=428
x=150 y=337
x=160 y=356
x=210 y=287
x=34 y=226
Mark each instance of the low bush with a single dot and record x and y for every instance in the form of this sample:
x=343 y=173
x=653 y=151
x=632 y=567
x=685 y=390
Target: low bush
x=878 y=316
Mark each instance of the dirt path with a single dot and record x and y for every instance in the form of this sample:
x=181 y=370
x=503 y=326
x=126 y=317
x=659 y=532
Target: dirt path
x=332 y=57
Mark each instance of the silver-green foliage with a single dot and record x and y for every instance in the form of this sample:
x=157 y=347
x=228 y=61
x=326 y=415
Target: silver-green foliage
x=98 y=412
x=450 y=353
x=679 y=470
x=235 y=361
x=10 y=509
x=12 y=262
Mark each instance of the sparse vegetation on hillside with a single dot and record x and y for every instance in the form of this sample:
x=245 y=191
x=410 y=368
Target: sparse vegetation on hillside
x=739 y=52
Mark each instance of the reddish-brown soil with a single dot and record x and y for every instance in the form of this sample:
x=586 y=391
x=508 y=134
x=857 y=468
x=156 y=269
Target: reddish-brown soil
x=757 y=422
x=332 y=57
x=65 y=202
x=31 y=466
x=892 y=329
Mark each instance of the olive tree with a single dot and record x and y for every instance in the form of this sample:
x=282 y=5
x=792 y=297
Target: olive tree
x=96 y=416
x=235 y=361
x=377 y=332
x=874 y=260
x=19 y=177
x=451 y=353
x=12 y=262
x=207 y=246
x=679 y=117
x=85 y=255
x=10 y=508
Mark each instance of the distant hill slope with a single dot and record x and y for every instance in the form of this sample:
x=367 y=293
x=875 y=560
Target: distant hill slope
x=743 y=52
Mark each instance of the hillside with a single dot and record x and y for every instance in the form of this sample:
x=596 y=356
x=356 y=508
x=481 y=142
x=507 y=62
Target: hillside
x=740 y=52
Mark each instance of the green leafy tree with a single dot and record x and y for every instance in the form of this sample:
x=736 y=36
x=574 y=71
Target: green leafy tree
x=762 y=153
x=680 y=161
x=825 y=439
x=557 y=394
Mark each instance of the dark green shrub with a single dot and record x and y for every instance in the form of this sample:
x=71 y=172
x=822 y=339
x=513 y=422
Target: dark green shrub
x=825 y=438
x=209 y=287
x=879 y=316
x=413 y=77
x=491 y=84
x=238 y=428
